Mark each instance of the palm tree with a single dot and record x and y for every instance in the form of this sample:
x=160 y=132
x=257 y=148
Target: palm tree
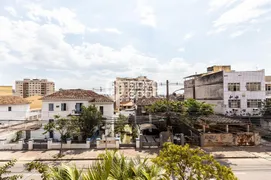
x=111 y=166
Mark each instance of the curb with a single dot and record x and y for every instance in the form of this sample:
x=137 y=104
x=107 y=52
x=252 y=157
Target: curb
x=96 y=159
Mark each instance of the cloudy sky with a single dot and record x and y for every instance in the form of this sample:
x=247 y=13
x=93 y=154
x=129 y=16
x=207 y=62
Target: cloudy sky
x=87 y=43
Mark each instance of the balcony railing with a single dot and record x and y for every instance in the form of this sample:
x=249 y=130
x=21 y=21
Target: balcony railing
x=268 y=93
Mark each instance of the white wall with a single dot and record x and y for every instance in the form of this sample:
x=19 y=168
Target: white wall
x=108 y=108
x=243 y=94
x=46 y=114
x=18 y=112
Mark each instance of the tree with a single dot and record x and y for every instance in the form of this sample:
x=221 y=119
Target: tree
x=89 y=118
x=185 y=163
x=194 y=109
x=4 y=171
x=163 y=106
x=120 y=123
x=64 y=126
x=111 y=165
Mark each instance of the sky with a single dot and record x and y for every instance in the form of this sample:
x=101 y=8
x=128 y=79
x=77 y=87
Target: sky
x=87 y=44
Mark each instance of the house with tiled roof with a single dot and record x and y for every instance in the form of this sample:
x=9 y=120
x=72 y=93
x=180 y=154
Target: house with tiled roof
x=14 y=108
x=69 y=102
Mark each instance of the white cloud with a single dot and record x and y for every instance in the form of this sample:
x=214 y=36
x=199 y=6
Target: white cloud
x=65 y=17
x=11 y=11
x=182 y=49
x=146 y=13
x=237 y=33
x=188 y=36
x=243 y=12
x=112 y=30
x=217 y=4
x=93 y=30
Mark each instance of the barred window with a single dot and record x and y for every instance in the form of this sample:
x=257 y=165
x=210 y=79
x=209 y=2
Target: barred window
x=234 y=103
x=253 y=86
x=233 y=86
x=254 y=103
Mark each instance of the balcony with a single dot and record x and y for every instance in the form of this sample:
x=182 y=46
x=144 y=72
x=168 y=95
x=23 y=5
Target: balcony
x=268 y=93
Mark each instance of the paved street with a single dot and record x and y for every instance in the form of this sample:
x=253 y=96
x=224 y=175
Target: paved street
x=244 y=169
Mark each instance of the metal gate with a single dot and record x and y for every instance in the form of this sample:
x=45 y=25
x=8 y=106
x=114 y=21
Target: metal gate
x=25 y=145
x=40 y=144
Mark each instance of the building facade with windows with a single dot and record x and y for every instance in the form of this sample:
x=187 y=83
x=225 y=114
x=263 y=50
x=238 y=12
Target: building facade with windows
x=70 y=102
x=231 y=92
x=34 y=87
x=14 y=108
x=268 y=87
x=129 y=89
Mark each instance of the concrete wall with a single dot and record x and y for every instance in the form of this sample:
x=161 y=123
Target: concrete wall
x=18 y=112
x=209 y=87
x=188 y=88
x=228 y=139
x=212 y=139
x=11 y=146
x=243 y=94
x=46 y=114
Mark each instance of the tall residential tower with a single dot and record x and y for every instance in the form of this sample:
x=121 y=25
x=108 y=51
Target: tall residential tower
x=34 y=87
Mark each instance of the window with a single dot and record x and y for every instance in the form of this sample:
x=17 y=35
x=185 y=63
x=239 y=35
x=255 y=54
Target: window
x=51 y=107
x=234 y=87
x=78 y=107
x=9 y=109
x=254 y=103
x=268 y=87
x=63 y=107
x=253 y=86
x=234 y=103
x=102 y=110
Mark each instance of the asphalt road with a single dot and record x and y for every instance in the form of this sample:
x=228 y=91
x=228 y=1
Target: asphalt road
x=244 y=169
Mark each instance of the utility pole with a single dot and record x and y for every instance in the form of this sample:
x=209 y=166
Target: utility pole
x=168 y=116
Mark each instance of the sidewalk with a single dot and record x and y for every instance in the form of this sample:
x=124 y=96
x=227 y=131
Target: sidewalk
x=239 y=152
x=217 y=152
x=70 y=154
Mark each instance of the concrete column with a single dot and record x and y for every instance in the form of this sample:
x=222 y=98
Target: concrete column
x=182 y=139
x=30 y=144
x=20 y=144
x=117 y=143
x=49 y=143
x=69 y=142
x=227 y=128
x=137 y=143
x=88 y=143
x=202 y=140
x=98 y=143
x=248 y=128
x=203 y=128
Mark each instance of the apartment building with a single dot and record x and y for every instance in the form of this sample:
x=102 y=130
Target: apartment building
x=34 y=87
x=128 y=89
x=268 y=87
x=231 y=92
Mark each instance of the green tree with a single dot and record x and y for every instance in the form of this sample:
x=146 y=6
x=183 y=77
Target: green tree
x=194 y=109
x=4 y=171
x=266 y=108
x=112 y=165
x=120 y=123
x=89 y=118
x=163 y=106
x=186 y=163
x=64 y=126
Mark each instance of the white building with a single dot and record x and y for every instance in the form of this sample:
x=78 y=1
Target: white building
x=127 y=89
x=14 y=108
x=268 y=87
x=231 y=92
x=69 y=102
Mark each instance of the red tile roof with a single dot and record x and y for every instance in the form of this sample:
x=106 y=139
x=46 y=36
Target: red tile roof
x=144 y=101
x=77 y=94
x=12 y=100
